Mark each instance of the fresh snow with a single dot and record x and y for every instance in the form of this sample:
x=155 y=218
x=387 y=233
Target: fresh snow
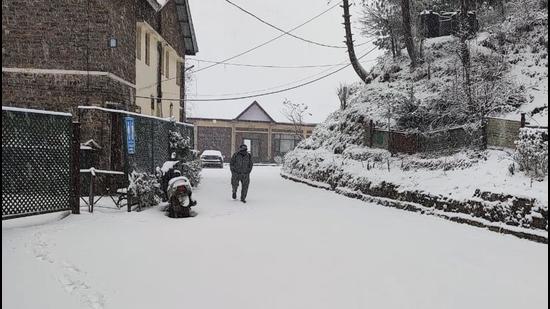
x=291 y=246
x=489 y=174
x=212 y=153
x=166 y=166
x=34 y=111
x=109 y=110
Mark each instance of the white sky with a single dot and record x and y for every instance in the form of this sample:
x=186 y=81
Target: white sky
x=224 y=31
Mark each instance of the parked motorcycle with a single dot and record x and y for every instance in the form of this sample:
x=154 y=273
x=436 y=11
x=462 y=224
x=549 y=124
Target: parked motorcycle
x=180 y=197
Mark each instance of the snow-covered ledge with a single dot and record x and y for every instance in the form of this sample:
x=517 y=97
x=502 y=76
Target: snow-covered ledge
x=499 y=227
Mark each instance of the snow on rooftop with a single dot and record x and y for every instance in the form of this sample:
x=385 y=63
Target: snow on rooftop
x=34 y=111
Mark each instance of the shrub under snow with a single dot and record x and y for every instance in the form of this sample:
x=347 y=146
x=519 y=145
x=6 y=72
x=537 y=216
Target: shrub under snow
x=145 y=188
x=180 y=144
x=532 y=152
x=192 y=170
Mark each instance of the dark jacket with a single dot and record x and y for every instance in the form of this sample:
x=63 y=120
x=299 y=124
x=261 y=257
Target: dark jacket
x=241 y=163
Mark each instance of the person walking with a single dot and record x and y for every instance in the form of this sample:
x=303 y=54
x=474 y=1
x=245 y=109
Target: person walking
x=241 y=166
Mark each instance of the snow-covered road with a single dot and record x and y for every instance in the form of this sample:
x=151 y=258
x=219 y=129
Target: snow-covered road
x=291 y=246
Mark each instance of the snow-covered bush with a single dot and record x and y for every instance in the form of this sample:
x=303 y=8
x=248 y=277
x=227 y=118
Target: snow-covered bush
x=278 y=160
x=188 y=165
x=181 y=145
x=145 y=188
x=192 y=170
x=532 y=152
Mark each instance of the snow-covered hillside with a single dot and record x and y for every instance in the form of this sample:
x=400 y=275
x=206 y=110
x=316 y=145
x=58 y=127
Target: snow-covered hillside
x=509 y=73
x=510 y=76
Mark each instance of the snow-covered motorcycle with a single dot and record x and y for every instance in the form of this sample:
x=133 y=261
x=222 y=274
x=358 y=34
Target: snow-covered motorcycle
x=179 y=197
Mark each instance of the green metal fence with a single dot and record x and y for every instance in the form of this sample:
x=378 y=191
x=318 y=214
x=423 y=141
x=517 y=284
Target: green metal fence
x=36 y=162
x=152 y=142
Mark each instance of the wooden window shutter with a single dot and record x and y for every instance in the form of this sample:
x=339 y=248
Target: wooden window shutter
x=138 y=43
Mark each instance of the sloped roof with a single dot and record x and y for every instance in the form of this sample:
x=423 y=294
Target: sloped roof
x=186 y=23
x=254 y=106
x=154 y=4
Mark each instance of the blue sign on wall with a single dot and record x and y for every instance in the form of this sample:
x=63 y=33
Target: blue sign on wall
x=130 y=135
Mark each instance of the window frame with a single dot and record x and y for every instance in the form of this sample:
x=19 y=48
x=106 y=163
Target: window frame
x=147 y=48
x=138 y=43
x=179 y=77
x=167 y=63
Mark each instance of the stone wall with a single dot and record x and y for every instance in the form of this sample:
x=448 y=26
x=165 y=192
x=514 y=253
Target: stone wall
x=96 y=125
x=170 y=29
x=61 y=92
x=122 y=26
x=214 y=138
x=35 y=37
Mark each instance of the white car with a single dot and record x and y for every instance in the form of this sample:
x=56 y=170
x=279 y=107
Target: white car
x=212 y=158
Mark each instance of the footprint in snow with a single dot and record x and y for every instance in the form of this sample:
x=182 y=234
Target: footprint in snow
x=94 y=300
x=71 y=267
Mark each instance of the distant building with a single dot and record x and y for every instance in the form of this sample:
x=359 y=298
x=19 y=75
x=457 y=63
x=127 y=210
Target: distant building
x=266 y=138
x=432 y=24
x=59 y=54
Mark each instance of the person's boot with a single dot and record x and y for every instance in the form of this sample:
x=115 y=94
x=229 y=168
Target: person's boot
x=243 y=200
x=234 y=195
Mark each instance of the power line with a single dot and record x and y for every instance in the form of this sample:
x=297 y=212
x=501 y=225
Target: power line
x=272 y=40
x=266 y=93
x=280 y=86
x=271 y=66
x=267 y=66
x=255 y=47
x=282 y=30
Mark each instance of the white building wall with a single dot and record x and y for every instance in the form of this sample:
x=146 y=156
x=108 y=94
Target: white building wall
x=146 y=75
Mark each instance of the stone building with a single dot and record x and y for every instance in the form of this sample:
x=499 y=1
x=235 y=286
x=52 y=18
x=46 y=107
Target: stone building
x=61 y=54
x=266 y=138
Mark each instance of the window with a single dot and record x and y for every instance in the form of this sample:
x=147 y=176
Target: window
x=178 y=73
x=167 y=64
x=147 y=48
x=138 y=43
x=285 y=143
x=171 y=109
x=253 y=147
x=161 y=56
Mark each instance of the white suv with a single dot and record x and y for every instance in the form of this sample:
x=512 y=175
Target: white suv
x=212 y=158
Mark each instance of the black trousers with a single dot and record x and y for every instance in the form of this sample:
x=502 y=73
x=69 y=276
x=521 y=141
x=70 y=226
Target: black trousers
x=244 y=179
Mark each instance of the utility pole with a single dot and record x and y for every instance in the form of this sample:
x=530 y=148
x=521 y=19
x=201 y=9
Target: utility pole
x=361 y=72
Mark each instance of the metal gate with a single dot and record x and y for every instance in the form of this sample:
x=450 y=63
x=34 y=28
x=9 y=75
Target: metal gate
x=37 y=156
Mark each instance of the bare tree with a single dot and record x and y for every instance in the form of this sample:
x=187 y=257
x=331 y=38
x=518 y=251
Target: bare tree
x=295 y=113
x=361 y=72
x=381 y=19
x=343 y=95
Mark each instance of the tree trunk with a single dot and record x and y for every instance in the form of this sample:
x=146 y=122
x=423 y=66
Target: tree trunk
x=393 y=45
x=361 y=72
x=407 y=29
x=465 y=50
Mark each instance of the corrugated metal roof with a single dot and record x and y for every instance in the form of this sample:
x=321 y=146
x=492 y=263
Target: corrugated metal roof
x=188 y=31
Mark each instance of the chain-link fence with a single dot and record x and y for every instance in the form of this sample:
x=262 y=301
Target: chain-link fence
x=149 y=140
x=36 y=162
x=152 y=142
